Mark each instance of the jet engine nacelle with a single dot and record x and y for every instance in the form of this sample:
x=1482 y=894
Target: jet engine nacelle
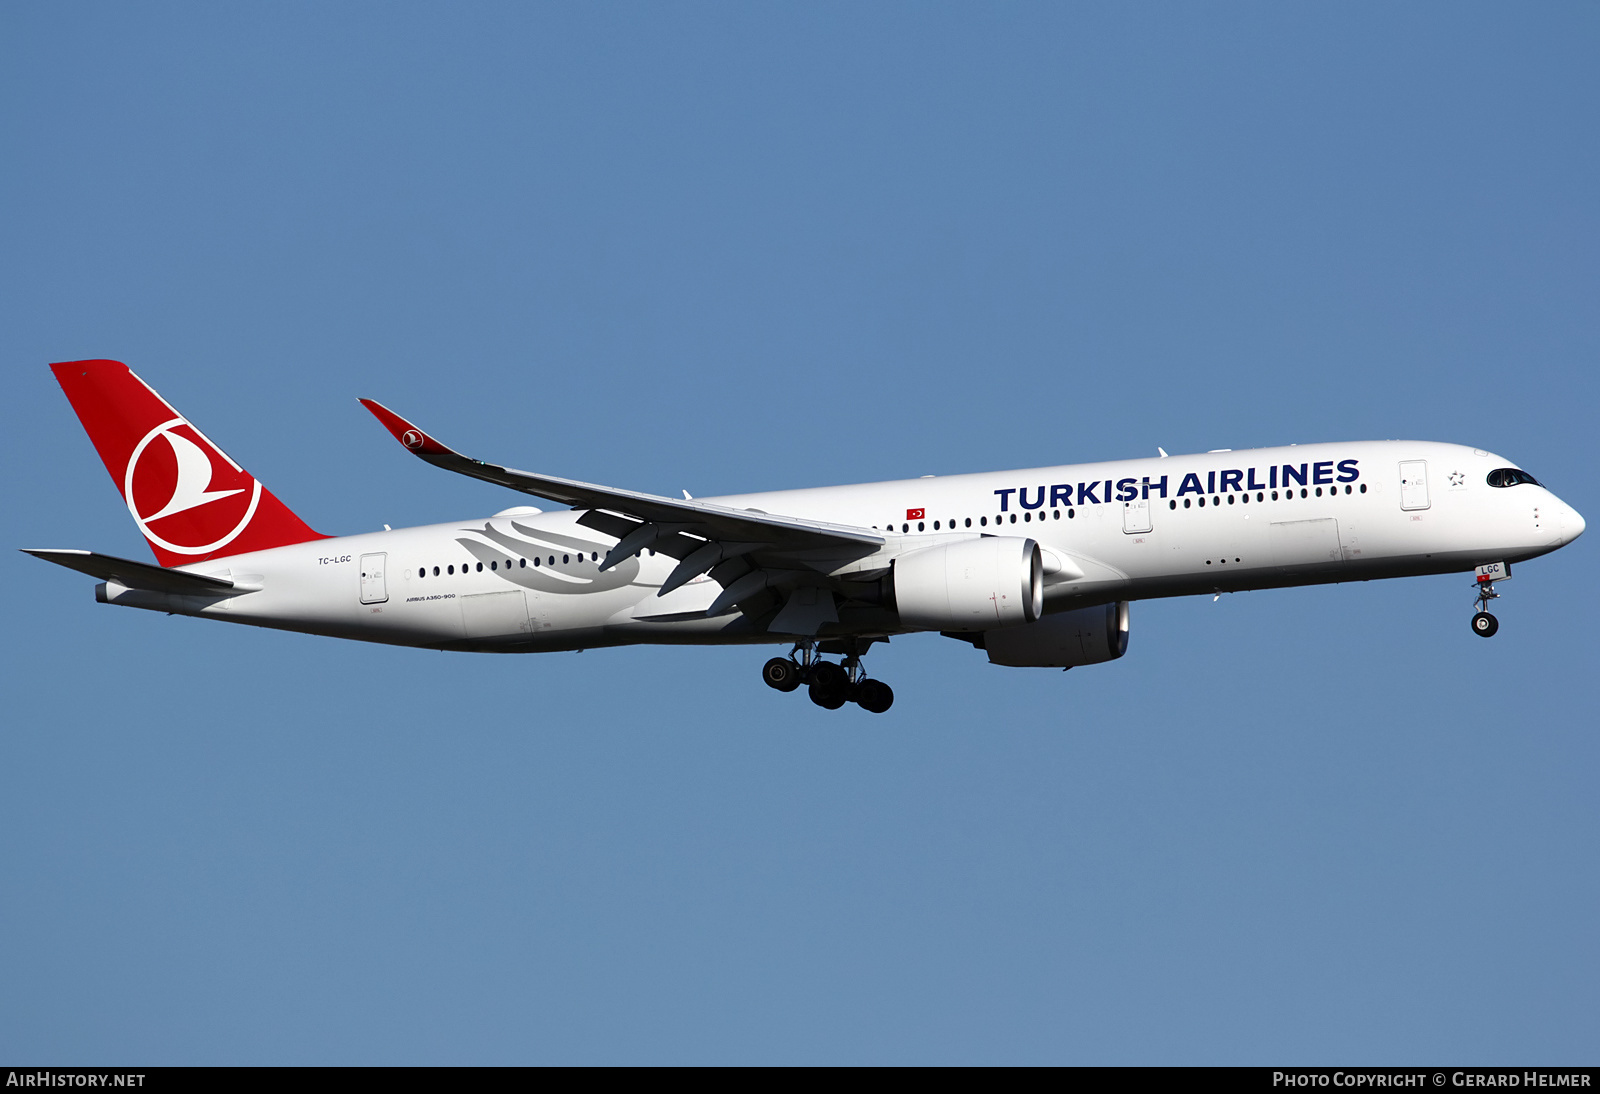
x=971 y=585
x=1086 y=636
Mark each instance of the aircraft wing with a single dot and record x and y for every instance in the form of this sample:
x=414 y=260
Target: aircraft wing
x=134 y=575
x=733 y=545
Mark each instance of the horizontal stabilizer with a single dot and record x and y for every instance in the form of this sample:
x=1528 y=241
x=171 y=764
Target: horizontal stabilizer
x=134 y=575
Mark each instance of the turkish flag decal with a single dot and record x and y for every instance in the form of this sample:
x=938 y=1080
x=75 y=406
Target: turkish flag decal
x=916 y=514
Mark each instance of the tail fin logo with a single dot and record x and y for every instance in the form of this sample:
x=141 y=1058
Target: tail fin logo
x=187 y=472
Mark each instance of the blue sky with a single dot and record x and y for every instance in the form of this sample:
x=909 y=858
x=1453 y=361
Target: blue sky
x=741 y=247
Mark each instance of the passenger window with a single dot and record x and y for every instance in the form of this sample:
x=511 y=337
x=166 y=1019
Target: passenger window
x=1013 y=518
x=436 y=571
x=969 y=522
x=522 y=564
x=1230 y=499
x=536 y=560
x=921 y=527
x=452 y=569
x=480 y=567
x=1363 y=488
x=565 y=560
x=1186 y=502
x=983 y=521
x=422 y=572
x=1172 y=505
x=1202 y=503
x=493 y=565
x=1055 y=514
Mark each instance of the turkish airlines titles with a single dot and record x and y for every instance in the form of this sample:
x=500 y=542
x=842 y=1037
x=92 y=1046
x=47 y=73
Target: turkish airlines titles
x=1219 y=481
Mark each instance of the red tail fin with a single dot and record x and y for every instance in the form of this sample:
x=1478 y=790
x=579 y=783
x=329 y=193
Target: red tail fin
x=188 y=498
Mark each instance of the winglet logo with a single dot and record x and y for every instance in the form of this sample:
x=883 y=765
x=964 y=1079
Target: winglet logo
x=412 y=439
x=177 y=477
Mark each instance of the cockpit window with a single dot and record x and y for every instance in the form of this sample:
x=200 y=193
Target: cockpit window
x=1510 y=476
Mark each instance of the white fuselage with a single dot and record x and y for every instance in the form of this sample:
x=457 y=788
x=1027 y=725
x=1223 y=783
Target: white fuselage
x=526 y=581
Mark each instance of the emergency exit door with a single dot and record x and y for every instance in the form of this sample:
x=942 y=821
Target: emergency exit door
x=1136 y=516
x=374 y=587
x=1414 y=484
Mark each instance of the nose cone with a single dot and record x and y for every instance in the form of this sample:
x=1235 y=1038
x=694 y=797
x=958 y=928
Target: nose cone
x=1572 y=524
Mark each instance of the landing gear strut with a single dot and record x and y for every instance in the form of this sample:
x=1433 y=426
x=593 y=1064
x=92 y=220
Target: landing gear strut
x=1484 y=625
x=830 y=684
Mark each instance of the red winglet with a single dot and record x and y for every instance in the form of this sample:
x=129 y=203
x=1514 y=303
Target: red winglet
x=406 y=433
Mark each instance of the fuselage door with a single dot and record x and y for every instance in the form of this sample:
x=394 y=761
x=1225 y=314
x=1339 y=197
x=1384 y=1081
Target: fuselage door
x=1136 y=516
x=1414 y=484
x=374 y=588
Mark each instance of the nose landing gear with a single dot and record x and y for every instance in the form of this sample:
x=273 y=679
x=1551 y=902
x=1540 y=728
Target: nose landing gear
x=1485 y=625
x=830 y=684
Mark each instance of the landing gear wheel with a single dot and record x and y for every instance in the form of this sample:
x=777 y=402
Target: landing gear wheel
x=828 y=696
x=874 y=696
x=781 y=673
x=830 y=675
x=1484 y=625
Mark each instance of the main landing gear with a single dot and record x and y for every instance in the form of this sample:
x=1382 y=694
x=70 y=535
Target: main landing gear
x=830 y=684
x=1484 y=625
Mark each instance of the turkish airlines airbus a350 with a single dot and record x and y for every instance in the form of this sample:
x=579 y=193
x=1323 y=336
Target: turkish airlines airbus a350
x=1034 y=567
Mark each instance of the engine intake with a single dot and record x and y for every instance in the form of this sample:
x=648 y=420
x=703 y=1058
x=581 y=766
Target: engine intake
x=971 y=585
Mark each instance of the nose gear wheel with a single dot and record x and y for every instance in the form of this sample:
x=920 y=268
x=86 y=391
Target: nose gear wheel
x=1485 y=625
